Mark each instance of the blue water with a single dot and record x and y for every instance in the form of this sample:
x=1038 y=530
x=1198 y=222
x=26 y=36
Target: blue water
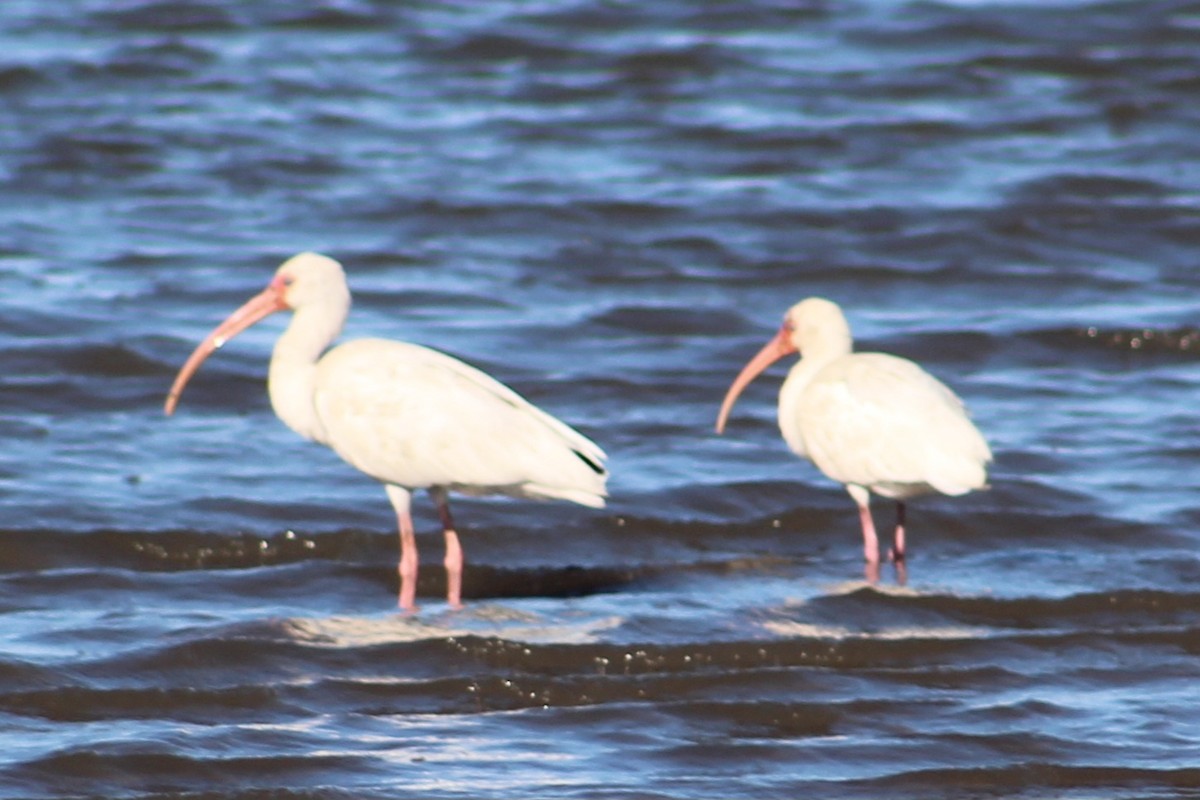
x=608 y=206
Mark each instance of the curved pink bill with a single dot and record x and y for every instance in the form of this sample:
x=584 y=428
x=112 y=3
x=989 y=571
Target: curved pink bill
x=263 y=304
x=779 y=346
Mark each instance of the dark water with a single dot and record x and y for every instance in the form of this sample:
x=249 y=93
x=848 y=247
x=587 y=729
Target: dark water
x=609 y=206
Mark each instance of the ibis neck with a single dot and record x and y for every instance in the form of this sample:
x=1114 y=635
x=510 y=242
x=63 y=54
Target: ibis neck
x=794 y=386
x=292 y=378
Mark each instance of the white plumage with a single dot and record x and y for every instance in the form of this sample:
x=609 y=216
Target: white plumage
x=415 y=417
x=874 y=422
x=408 y=416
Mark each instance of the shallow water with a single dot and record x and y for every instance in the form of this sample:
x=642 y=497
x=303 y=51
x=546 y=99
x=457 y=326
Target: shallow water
x=607 y=206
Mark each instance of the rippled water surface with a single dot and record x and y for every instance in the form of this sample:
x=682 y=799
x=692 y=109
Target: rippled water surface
x=608 y=206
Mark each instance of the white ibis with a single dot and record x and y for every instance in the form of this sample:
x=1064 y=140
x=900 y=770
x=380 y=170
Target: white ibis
x=872 y=421
x=408 y=416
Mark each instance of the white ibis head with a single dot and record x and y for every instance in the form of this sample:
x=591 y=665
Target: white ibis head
x=304 y=281
x=815 y=328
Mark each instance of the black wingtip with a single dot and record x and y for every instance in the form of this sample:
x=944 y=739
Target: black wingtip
x=597 y=467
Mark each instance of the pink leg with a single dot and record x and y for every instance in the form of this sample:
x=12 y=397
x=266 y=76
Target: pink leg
x=870 y=541
x=402 y=502
x=898 y=547
x=454 y=551
x=870 y=545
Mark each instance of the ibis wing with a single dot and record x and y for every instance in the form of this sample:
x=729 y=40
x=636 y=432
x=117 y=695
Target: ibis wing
x=878 y=420
x=416 y=417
